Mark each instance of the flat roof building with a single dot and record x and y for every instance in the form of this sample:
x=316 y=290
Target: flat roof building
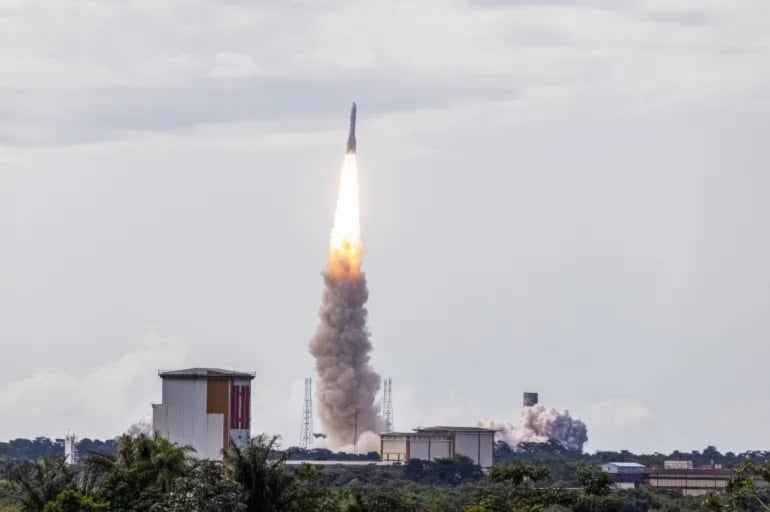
x=675 y=475
x=692 y=482
x=626 y=475
x=205 y=408
x=441 y=442
x=623 y=468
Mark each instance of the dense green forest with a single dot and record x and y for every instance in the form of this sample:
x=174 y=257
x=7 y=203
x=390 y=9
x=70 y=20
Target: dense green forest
x=145 y=474
x=32 y=449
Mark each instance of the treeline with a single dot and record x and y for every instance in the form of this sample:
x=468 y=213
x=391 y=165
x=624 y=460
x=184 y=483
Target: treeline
x=324 y=454
x=152 y=474
x=562 y=464
x=33 y=449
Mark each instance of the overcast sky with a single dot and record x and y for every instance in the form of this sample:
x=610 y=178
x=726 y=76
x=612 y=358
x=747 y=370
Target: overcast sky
x=557 y=196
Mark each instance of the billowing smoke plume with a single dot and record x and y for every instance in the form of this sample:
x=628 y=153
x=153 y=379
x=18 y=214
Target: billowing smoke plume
x=143 y=426
x=538 y=424
x=346 y=385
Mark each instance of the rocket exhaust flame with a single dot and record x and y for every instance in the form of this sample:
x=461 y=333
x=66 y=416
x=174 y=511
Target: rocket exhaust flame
x=347 y=385
x=345 y=248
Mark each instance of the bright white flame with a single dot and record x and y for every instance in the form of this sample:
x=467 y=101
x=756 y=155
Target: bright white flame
x=345 y=240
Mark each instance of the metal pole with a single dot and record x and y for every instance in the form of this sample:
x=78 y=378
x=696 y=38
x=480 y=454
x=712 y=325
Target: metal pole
x=355 y=435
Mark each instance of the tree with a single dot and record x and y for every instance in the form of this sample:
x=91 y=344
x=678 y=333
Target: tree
x=266 y=486
x=517 y=473
x=442 y=471
x=742 y=491
x=41 y=482
x=205 y=489
x=387 y=501
x=138 y=476
x=594 y=481
x=74 y=501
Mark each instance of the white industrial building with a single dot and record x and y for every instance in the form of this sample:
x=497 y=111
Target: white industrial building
x=625 y=468
x=205 y=408
x=439 y=443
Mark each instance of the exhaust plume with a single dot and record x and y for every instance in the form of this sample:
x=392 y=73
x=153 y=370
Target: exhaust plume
x=347 y=384
x=538 y=424
x=141 y=427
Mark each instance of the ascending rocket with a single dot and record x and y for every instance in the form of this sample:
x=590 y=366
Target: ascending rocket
x=352 y=134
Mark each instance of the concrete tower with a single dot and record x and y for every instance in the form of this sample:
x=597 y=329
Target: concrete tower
x=206 y=408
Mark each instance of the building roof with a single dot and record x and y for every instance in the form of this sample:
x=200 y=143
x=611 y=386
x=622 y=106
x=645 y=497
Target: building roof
x=205 y=373
x=438 y=434
x=626 y=464
x=342 y=462
x=658 y=472
x=456 y=429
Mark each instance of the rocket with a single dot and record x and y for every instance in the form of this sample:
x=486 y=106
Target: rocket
x=352 y=135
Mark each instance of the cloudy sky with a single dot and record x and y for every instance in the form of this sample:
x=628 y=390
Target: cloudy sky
x=557 y=196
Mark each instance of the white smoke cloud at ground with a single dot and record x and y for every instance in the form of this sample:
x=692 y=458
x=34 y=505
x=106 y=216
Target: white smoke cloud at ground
x=538 y=424
x=141 y=427
x=368 y=441
x=347 y=385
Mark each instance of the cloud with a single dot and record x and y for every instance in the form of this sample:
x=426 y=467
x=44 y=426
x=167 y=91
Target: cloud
x=412 y=409
x=618 y=415
x=234 y=65
x=103 y=402
x=216 y=62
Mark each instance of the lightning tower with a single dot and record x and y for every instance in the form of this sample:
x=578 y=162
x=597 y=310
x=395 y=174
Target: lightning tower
x=306 y=432
x=387 y=403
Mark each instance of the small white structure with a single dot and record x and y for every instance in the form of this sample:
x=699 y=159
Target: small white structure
x=623 y=468
x=71 y=455
x=206 y=408
x=677 y=464
x=440 y=442
x=625 y=475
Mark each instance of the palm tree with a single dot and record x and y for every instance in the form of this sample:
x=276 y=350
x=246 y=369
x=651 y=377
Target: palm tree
x=143 y=469
x=41 y=481
x=156 y=459
x=169 y=461
x=261 y=474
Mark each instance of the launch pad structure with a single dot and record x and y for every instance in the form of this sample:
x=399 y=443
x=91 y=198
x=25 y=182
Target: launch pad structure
x=306 y=434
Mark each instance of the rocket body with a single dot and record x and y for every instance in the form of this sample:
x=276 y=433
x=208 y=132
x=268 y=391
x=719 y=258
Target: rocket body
x=352 y=134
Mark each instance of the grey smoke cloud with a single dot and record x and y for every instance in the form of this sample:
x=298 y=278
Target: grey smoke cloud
x=538 y=424
x=142 y=427
x=347 y=384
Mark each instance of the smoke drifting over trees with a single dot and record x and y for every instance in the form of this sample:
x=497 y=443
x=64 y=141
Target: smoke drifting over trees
x=538 y=424
x=141 y=427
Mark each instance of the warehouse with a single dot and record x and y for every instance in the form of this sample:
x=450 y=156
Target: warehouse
x=626 y=475
x=678 y=475
x=439 y=442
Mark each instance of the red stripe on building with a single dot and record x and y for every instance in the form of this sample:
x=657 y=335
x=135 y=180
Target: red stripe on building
x=233 y=406
x=240 y=407
x=247 y=409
